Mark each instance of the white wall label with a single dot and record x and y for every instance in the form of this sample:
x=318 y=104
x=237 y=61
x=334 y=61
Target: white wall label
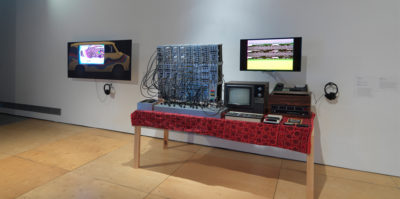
x=365 y=86
x=388 y=83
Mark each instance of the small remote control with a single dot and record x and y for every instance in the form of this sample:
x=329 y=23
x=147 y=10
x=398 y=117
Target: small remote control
x=302 y=125
x=289 y=123
x=292 y=120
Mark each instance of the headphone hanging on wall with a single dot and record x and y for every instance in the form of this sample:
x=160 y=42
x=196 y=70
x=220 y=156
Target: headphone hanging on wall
x=107 y=89
x=331 y=95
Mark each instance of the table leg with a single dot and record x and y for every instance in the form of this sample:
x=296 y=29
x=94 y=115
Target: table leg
x=136 y=148
x=166 y=132
x=310 y=169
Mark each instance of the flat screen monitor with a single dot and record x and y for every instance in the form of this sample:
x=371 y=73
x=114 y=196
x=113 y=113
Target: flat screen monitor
x=270 y=54
x=100 y=59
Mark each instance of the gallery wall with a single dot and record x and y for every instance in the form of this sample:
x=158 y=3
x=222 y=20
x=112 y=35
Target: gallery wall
x=7 y=50
x=353 y=43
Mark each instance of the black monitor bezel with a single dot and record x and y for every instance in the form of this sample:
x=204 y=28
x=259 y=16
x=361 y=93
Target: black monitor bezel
x=103 y=75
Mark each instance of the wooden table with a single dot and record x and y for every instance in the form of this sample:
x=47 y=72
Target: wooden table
x=310 y=158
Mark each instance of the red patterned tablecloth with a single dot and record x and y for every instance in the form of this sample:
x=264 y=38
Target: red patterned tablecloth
x=278 y=135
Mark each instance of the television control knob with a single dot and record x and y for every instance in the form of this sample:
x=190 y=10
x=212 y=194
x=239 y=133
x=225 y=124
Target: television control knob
x=259 y=88
x=259 y=95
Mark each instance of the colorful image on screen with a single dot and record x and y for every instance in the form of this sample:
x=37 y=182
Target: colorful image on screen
x=270 y=54
x=91 y=54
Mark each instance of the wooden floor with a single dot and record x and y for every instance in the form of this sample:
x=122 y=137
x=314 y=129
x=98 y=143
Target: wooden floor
x=41 y=159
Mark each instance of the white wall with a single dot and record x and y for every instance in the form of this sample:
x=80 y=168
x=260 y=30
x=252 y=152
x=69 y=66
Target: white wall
x=353 y=43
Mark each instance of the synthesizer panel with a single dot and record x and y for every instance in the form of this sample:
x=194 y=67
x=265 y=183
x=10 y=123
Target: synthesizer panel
x=190 y=74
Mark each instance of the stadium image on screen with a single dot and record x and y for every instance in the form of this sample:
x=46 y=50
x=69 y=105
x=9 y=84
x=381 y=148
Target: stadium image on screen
x=91 y=54
x=270 y=54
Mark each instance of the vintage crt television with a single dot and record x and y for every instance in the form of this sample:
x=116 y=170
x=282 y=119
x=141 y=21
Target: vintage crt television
x=244 y=96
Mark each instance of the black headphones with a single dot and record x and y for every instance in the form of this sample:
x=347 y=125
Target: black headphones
x=331 y=95
x=107 y=88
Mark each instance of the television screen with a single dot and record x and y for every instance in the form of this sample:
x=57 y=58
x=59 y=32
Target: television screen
x=100 y=59
x=239 y=96
x=275 y=54
x=91 y=54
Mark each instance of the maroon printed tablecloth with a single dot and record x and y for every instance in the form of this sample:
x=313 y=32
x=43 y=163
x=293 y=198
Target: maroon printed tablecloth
x=278 y=135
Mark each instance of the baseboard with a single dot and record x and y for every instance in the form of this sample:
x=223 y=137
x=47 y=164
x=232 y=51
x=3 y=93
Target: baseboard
x=32 y=108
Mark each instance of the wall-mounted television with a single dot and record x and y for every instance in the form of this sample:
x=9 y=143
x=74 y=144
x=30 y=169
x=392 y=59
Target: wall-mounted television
x=270 y=54
x=100 y=59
